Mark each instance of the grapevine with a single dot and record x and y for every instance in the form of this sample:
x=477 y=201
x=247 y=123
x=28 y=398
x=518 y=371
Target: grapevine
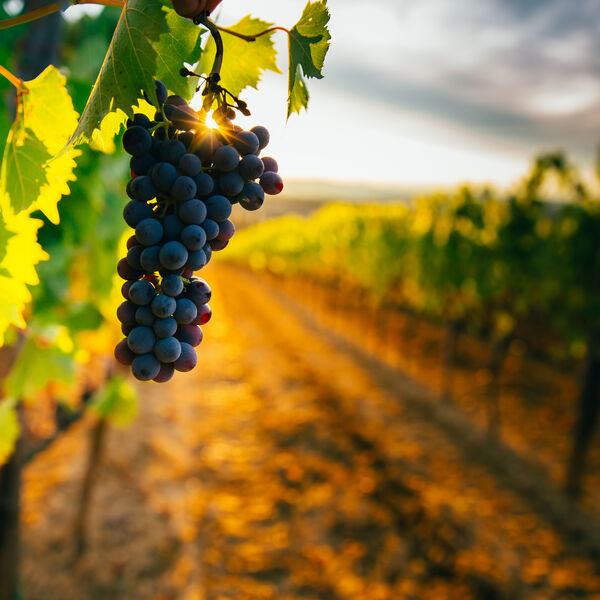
x=185 y=177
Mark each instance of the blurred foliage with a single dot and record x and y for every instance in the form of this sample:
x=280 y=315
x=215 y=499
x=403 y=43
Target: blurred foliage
x=495 y=263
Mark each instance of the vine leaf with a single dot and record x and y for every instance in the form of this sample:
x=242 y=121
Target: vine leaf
x=17 y=268
x=243 y=63
x=29 y=180
x=308 y=45
x=150 y=39
x=116 y=401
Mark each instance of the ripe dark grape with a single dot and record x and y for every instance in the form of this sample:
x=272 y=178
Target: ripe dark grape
x=218 y=244
x=196 y=260
x=252 y=196
x=211 y=228
x=142 y=292
x=125 y=289
x=135 y=211
x=139 y=119
x=167 y=349
x=172 y=285
x=172 y=151
x=126 y=271
x=231 y=184
x=163 y=176
x=270 y=164
x=183 y=189
x=173 y=255
x=133 y=257
x=163 y=306
x=193 y=237
x=204 y=315
x=172 y=227
x=187 y=359
x=150 y=259
x=136 y=140
x=165 y=373
x=145 y=367
x=123 y=353
x=226 y=158
x=190 y=165
x=140 y=165
x=192 y=212
x=141 y=340
x=149 y=232
x=189 y=334
x=218 y=208
x=126 y=312
x=271 y=183
x=207 y=147
x=175 y=100
x=251 y=167
x=262 y=133
x=246 y=142
x=226 y=231
x=142 y=187
x=185 y=311
x=204 y=184
x=198 y=291
x=165 y=327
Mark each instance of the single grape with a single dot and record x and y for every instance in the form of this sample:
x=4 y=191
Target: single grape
x=145 y=367
x=211 y=228
x=165 y=373
x=142 y=292
x=190 y=165
x=128 y=188
x=192 y=212
x=251 y=167
x=262 y=133
x=149 y=232
x=135 y=211
x=190 y=334
x=196 y=260
x=231 y=184
x=193 y=237
x=204 y=184
x=207 y=252
x=139 y=119
x=161 y=93
x=167 y=349
x=163 y=306
x=126 y=312
x=125 y=289
x=204 y=315
x=163 y=175
x=171 y=151
x=176 y=100
x=165 y=327
x=246 y=142
x=133 y=257
x=218 y=208
x=226 y=230
x=252 y=196
x=198 y=291
x=171 y=285
x=150 y=259
x=226 y=158
x=270 y=164
x=140 y=165
x=142 y=188
x=218 y=244
x=173 y=255
x=186 y=138
x=141 y=340
x=183 y=189
x=271 y=183
x=137 y=140
x=131 y=242
x=187 y=359
x=126 y=271
x=185 y=311
x=144 y=316
x=172 y=227
x=123 y=353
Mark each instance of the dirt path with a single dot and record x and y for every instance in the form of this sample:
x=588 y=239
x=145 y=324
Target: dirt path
x=287 y=468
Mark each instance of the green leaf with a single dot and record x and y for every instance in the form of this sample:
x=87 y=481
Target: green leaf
x=9 y=429
x=5 y=235
x=116 y=401
x=22 y=175
x=149 y=40
x=243 y=62
x=309 y=42
x=37 y=365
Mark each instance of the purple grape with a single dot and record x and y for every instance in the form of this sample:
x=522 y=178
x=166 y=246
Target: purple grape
x=187 y=359
x=123 y=354
x=145 y=367
x=141 y=340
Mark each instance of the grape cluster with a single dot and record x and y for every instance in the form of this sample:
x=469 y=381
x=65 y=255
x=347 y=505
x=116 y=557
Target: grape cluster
x=185 y=177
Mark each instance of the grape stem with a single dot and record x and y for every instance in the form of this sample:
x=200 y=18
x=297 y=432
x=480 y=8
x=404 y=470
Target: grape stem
x=215 y=73
x=254 y=36
x=39 y=13
x=18 y=83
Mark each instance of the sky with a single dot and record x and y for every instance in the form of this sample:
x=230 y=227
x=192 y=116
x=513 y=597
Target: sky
x=435 y=92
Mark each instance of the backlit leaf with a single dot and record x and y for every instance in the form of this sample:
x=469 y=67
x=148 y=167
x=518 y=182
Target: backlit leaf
x=308 y=45
x=116 y=401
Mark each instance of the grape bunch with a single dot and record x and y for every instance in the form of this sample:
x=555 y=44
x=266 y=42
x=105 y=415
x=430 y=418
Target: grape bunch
x=185 y=177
